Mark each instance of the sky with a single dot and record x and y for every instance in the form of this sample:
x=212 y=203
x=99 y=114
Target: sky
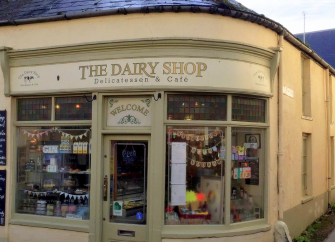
x=320 y=14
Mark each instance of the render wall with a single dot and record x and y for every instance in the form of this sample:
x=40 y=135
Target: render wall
x=298 y=215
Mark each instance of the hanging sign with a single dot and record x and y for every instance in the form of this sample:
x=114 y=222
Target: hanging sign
x=2 y=197
x=129 y=111
x=3 y=138
x=129 y=155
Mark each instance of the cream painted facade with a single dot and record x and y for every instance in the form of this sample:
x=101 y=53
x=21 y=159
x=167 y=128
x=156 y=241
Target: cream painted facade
x=155 y=35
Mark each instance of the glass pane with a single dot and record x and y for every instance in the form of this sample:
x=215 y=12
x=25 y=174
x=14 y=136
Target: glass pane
x=128 y=185
x=247 y=180
x=73 y=108
x=53 y=177
x=195 y=175
x=197 y=107
x=32 y=109
x=248 y=109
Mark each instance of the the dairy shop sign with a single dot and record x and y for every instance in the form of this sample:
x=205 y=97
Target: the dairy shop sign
x=129 y=111
x=143 y=73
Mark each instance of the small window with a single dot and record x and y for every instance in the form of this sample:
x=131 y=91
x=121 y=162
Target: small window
x=73 y=108
x=306 y=87
x=306 y=169
x=34 y=109
x=197 y=107
x=248 y=109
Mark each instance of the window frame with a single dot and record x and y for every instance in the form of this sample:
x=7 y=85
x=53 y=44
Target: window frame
x=33 y=220
x=188 y=231
x=306 y=96
x=307 y=181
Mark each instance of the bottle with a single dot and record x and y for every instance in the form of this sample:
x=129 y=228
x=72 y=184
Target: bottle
x=39 y=165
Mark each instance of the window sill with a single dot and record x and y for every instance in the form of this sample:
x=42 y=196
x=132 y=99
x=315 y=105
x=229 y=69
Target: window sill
x=306 y=199
x=307 y=118
x=211 y=231
x=51 y=223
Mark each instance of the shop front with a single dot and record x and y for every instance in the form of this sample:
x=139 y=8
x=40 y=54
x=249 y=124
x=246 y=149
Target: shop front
x=150 y=144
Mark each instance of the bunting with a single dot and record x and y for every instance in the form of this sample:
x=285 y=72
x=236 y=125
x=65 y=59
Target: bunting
x=207 y=164
x=204 y=151
x=40 y=194
x=53 y=130
x=193 y=137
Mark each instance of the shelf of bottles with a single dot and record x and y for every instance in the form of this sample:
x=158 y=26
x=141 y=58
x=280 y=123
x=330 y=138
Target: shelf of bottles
x=54 y=170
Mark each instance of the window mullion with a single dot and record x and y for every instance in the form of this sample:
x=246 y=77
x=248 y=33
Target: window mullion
x=227 y=177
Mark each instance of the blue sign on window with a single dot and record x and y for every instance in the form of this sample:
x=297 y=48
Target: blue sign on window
x=3 y=138
x=2 y=197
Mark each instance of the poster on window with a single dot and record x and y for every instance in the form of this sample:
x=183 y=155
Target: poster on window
x=3 y=138
x=254 y=179
x=2 y=197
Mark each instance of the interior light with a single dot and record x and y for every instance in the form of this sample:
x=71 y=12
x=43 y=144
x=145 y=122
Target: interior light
x=57 y=106
x=44 y=107
x=77 y=106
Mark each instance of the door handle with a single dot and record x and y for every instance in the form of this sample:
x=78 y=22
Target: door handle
x=105 y=188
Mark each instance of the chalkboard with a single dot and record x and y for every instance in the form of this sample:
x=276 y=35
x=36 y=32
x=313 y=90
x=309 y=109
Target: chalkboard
x=2 y=197
x=3 y=138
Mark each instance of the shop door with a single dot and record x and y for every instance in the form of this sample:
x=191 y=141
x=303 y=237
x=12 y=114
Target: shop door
x=125 y=188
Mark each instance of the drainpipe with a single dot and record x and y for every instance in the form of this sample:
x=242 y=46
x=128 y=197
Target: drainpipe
x=280 y=133
x=328 y=138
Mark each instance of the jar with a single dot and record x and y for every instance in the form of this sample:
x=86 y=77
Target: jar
x=50 y=209
x=64 y=209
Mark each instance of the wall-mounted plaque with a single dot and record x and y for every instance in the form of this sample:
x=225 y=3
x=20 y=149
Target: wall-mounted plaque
x=2 y=197
x=3 y=138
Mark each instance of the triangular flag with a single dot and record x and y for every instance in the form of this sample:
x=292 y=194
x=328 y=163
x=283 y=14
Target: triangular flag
x=87 y=195
x=29 y=192
x=81 y=136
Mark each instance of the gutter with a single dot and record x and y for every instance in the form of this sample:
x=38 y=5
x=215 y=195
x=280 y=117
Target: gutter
x=280 y=134
x=328 y=139
x=212 y=9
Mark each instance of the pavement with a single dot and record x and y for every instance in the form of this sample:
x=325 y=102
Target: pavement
x=331 y=237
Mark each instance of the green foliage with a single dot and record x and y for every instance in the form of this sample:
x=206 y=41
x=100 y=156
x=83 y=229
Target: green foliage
x=301 y=239
x=309 y=232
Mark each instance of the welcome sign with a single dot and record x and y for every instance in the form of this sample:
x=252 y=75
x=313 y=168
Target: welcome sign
x=129 y=111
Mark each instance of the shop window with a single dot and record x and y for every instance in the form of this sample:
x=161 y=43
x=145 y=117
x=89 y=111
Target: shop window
x=195 y=175
x=53 y=172
x=34 y=109
x=247 y=175
x=306 y=86
x=73 y=108
x=197 y=107
x=306 y=179
x=248 y=109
